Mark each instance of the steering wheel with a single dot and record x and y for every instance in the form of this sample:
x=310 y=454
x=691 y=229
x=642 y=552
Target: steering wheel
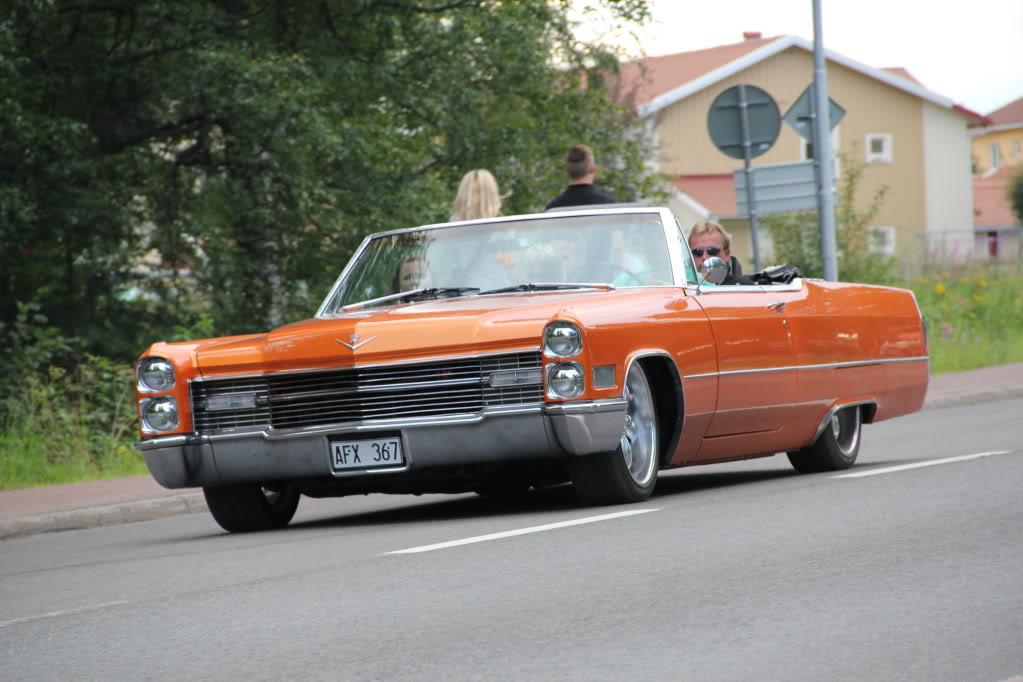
x=580 y=273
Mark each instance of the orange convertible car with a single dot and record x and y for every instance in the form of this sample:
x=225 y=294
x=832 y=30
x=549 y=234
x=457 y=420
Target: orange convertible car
x=524 y=351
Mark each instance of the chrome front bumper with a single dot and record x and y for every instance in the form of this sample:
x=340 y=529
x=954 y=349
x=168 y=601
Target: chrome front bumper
x=498 y=434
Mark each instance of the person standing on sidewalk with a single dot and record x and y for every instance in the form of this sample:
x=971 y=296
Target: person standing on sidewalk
x=582 y=169
x=477 y=197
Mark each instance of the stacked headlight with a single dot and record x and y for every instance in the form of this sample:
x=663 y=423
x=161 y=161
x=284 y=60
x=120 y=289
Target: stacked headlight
x=159 y=414
x=156 y=374
x=562 y=340
x=565 y=380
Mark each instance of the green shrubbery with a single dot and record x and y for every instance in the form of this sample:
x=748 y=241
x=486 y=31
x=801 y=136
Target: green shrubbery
x=796 y=237
x=974 y=315
x=65 y=415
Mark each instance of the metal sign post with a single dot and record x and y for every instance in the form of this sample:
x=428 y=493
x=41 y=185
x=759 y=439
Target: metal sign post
x=750 y=192
x=822 y=151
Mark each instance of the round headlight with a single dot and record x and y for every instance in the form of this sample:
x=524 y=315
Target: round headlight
x=565 y=380
x=160 y=414
x=562 y=340
x=156 y=374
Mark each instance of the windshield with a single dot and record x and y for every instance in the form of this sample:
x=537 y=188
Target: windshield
x=615 y=249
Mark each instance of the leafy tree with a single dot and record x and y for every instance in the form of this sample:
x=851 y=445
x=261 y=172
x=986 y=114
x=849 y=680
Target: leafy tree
x=796 y=236
x=1016 y=196
x=163 y=162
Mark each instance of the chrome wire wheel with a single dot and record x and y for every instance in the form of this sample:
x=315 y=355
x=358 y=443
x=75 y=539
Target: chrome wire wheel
x=836 y=447
x=845 y=426
x=639 y=440
x=628 y=473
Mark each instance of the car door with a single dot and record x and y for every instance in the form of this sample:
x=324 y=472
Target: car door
x=755 y=370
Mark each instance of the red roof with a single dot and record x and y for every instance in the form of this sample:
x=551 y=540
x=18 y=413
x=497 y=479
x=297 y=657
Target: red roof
x=716 y=193
x=1009 y=114
x=644 y=79
x=991 y=198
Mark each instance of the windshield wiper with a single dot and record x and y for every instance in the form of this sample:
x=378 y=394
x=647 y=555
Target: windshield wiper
x=428 y=291
x=550 y=287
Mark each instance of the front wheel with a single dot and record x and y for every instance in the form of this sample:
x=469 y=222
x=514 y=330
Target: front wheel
x=629 y=473
x=837 y=446
x=248 y=507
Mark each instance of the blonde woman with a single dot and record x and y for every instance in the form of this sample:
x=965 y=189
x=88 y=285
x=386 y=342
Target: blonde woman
x=477 y=196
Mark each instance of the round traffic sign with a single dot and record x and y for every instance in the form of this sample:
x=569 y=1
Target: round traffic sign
x=725 y=121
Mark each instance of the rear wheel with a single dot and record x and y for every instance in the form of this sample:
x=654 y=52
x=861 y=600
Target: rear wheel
x=252 y=506
x=629 y=473
x=837 y=446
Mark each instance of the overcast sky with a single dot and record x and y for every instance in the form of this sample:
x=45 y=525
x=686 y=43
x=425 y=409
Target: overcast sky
x=970 y=52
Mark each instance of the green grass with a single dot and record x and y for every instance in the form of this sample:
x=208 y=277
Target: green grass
x=65 y=427
x=29 y=460
x=974 y=315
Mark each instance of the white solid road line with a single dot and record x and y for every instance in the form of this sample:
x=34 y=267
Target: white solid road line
x=521 y=531
x=54 y=614
x=917 y=465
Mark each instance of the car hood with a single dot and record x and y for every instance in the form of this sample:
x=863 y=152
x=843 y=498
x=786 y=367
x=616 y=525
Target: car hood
x=448 y=327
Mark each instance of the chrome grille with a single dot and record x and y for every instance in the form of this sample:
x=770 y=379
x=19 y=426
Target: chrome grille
x=432 y=389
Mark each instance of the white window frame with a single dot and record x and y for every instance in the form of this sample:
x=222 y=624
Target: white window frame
x=888 y=235
x=1017 y=149
x=883 y=156
x=995 y=155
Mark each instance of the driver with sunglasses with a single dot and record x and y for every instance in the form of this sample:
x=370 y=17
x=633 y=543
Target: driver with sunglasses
x=709 y=239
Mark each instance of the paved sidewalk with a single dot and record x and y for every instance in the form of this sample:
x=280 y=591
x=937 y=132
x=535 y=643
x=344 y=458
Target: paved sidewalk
x=140 y=498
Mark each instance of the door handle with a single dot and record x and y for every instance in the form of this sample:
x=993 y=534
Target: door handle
x=778 y=306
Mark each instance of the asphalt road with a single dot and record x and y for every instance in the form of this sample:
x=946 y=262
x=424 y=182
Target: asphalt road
x=730 y=572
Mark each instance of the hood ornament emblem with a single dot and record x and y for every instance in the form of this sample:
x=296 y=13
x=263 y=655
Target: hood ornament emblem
x=354 y=343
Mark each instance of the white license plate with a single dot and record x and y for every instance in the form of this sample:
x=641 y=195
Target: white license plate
x=378 y=453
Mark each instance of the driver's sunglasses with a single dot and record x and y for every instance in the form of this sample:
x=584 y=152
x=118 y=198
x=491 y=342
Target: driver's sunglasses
x=712 y=251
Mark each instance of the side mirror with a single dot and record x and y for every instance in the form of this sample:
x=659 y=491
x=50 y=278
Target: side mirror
x=714 y=270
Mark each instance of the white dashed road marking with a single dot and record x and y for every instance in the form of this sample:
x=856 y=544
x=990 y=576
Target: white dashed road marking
x=917 y=465
x=54 y=614
x=521 y=531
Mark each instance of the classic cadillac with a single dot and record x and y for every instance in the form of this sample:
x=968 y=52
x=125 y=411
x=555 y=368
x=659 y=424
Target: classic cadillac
x=525 y=351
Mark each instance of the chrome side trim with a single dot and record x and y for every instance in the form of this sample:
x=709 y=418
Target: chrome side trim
x=393 y=363
x=589 y=406
x=794 y=285
x=169 y=442
x=801 y=368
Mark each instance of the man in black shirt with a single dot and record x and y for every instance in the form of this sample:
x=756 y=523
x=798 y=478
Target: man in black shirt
x=708 y=239
x=581 y=168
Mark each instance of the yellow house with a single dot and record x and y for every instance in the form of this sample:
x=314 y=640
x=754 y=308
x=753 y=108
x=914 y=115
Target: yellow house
x=914 y=140
x=997 y=159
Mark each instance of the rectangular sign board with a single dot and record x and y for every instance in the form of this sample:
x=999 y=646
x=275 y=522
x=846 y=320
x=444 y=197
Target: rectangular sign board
x=778 y=187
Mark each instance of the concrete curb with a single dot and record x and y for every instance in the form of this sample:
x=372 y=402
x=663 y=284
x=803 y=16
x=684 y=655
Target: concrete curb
x=110 y=515
x=973 y=398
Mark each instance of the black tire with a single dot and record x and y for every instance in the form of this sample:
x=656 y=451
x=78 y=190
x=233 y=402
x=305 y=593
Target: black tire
x=249 y=507
x=836 y=448
x=629 y=473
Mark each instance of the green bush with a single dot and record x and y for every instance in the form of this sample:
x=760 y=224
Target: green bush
x=65 y=416
x=974 y=315
x=797 y=240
